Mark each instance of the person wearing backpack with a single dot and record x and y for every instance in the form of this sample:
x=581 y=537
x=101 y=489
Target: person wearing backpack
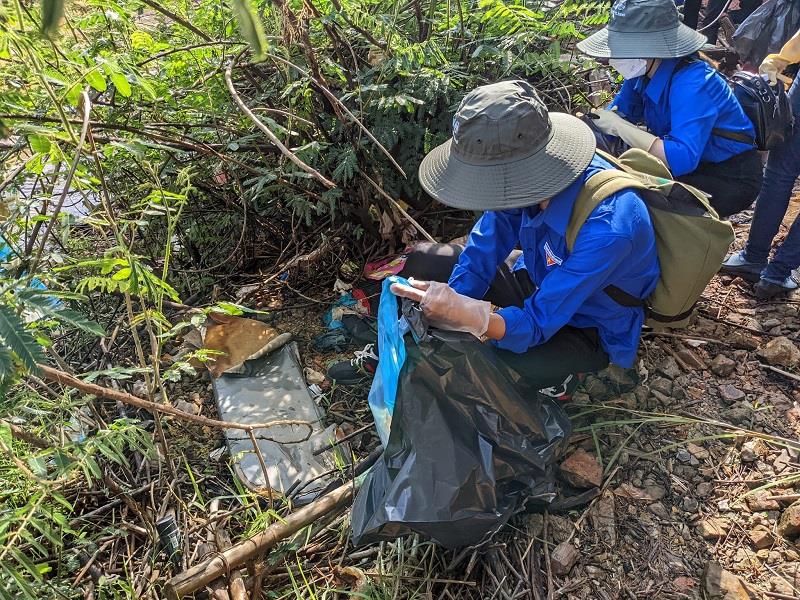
x=693 y=121
x=526 y=167
x=774 y=276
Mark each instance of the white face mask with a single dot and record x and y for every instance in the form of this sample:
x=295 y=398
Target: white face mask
x=629 y=68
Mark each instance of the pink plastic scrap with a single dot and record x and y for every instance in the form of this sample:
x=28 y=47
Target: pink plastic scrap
x=381 y=269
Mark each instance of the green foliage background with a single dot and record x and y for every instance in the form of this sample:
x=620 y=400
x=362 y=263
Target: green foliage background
x=126 y=102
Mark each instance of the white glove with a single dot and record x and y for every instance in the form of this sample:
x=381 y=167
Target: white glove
x=445 y=308
x=610 y=123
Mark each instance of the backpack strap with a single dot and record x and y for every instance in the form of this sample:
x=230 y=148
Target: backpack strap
x=596 y=189
x=733 y=135
x=723 y=133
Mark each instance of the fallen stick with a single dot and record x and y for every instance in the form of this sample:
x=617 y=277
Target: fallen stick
x=780 y=371
x=237 y=555
x=223 y=541
x=103 y=392
x=26 y=436
x=268 y=132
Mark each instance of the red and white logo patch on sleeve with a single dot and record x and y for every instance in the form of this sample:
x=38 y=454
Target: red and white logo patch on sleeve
x=550 y=258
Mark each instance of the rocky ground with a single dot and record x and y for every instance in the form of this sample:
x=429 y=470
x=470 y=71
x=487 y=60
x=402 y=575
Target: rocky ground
x=682 y=480
x=692 y=465
x=696 y=463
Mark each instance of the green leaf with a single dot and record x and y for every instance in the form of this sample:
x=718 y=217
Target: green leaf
x=123 y=273
x=251 y=28
x=52 y=12
x=39 y=143
x=18 y=340
x=95 y=79
x=6 y=363
x=5 y=434
x=44 y=304
x=121 y=83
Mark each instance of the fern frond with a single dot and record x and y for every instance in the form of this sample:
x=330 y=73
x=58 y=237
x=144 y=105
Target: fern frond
x=17 y=339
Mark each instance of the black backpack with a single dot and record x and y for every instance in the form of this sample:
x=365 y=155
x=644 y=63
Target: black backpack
x=766 y=106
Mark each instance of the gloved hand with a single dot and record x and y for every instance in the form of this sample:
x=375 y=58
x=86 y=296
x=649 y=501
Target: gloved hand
x=610 y=123
x=774 y=65
x=445 y=308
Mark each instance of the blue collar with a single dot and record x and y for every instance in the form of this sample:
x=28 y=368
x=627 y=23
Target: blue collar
x=659 y=83
x=557 y=214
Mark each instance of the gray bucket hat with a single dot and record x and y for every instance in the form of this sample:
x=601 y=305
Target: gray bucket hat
x=507 y=151
x=643 y=29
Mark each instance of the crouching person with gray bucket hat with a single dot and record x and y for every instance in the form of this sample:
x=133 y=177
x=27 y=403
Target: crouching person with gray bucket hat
x=525 y=168
x=693 y=122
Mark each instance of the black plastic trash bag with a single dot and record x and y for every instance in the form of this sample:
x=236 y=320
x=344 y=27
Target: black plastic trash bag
x=766 y=30
x=466 y=446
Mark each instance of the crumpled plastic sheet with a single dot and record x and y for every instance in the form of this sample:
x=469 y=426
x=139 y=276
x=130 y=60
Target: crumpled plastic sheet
x=766 y=30
x=466 y=444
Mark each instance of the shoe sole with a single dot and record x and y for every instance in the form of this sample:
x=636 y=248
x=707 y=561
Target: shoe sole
x=764 y=295
x=746 y=275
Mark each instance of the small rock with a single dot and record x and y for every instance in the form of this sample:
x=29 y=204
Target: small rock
x=770 y=323
x=789 y=525
x=563 y=558
x=704 y=489
x=691 y=359
x=313 y=376
x=722 y=366
x=698 y=452
x=193 y=408
x=623 y=379
x=720 y=584
x=783 y=460
x=713 y=528
x=752 y=450
x=535 y=525
x=684 y=585
x=603 y=518
x=683 y=455
x=659 y=510
x=662 y=386
x=761 y=537
x=656 y=492
x=559 y=528
x=669 y=368
x=596 y=388
x=662 y=399
x=741 y=340
x=737 y=415
x=780 y=586
x=731 y=394
x=690 y=504
x=595 y=573
x=780 y=351
x=760 y=501
x=581 y=470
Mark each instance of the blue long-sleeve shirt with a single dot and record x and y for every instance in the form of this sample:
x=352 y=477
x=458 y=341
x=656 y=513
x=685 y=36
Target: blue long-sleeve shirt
x=615 y=246
x=682 y=108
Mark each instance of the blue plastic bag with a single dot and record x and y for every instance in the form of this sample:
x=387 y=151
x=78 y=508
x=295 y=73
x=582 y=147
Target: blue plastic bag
x=6 y=254
x=392 y=352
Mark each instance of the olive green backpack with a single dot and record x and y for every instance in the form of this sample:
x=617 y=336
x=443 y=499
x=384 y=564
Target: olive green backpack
x=691 y=239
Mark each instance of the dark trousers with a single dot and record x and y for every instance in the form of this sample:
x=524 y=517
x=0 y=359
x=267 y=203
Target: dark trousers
x=733 y=184
x=783 y=169
x=569 y=351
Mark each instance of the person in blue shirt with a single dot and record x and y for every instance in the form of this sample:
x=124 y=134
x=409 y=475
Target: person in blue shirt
x=693 y=122
x=524 y=167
